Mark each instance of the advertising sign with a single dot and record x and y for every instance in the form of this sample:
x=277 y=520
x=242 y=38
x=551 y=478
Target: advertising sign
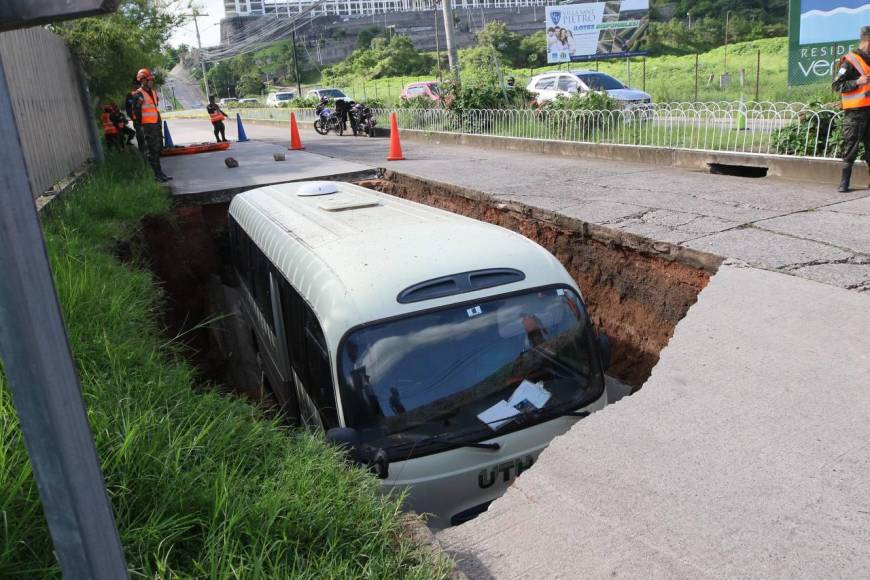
x=819 y=33
x=591 y=30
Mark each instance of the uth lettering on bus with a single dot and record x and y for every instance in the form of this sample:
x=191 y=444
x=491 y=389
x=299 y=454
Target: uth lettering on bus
x=509 y=470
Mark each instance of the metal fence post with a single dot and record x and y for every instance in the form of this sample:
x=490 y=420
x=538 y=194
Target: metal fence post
x=43 y=381
x=87 y=103
x=757 y=73
x=696 y=77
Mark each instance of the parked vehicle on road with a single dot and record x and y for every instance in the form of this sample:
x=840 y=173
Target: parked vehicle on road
x=249 y=101
x=428 y=89
x=227 y=101
x=327 y=119
x=548 y=86
x=331 y=94
x=279 y=98
x=363 y=120
x=446 y=374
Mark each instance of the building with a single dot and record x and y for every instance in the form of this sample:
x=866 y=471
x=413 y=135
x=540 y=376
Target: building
x=234 y=8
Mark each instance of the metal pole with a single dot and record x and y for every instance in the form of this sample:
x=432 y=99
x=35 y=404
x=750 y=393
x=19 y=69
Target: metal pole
x=296 y=68
x=93 y=133
x=199 y=45
x=452 y=56
x=628 y=71
x=644 y=74
x=437 y=45
x=42 y=377
x=696 y=77
x=757 y=73
x=725 y=64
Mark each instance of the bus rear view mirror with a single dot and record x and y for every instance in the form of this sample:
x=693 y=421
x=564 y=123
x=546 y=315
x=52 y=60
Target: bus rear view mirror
x=604 y=351
x=347 y=438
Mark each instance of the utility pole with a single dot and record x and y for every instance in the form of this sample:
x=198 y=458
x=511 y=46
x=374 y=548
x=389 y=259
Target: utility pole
x=296 y=67
x=437 y=46
x=196 y=13
x=452 y=56
x=727 y=17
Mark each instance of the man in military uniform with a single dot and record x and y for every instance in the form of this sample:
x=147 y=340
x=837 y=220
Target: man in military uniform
x=853 y=82
x=145 y=112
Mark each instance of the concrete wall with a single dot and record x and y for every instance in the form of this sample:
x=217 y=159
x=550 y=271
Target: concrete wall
x=327 y=46
x=57 y=133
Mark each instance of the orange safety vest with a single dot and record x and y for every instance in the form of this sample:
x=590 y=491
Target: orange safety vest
x=108 y=126
x=150 y=115
x=216 y=116
x=860 y=97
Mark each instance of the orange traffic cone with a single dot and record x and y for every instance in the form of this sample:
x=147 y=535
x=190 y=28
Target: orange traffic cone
x=395 y=153
x=295 y=141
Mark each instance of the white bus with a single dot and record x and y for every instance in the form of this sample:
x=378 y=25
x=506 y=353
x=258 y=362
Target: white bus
x=444 y=352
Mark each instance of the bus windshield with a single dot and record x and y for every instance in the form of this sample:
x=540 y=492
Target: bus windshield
x=470 y=371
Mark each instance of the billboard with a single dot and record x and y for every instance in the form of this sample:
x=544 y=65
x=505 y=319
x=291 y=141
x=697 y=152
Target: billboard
x=592 y=30
x=819 y=33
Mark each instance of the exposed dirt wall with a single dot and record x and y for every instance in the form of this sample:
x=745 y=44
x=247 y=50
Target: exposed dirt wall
x=637 y=290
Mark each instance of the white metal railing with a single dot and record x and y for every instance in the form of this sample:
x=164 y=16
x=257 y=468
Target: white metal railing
x=751 y=127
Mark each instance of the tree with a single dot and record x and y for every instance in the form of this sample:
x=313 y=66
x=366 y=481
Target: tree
x=113 y=47
x=250 y=83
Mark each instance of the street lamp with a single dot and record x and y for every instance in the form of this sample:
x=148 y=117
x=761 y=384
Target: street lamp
x=689 y=15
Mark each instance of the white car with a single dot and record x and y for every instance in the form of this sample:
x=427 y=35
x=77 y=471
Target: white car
x=249 y=101
x=331 y=94
x=548 y=86
x=279 y=98
x=229 y=101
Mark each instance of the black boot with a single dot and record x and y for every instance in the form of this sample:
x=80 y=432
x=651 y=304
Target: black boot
x=845 y=179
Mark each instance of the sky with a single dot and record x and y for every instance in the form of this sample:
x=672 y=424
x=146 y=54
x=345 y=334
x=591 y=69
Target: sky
x=209 y=26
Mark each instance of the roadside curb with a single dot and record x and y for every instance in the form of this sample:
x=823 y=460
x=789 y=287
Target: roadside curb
x=416 y=530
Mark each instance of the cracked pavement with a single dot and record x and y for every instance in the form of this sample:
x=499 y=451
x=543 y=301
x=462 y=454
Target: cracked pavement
x=803 y=229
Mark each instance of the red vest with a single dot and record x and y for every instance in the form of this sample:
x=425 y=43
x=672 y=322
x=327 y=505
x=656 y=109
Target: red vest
x=109 y=128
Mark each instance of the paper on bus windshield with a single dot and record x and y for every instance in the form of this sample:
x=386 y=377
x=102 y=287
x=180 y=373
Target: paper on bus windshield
x=527 y=397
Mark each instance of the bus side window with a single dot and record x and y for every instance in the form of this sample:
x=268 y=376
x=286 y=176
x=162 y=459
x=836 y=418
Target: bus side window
x=308 y=353
x=262 y=290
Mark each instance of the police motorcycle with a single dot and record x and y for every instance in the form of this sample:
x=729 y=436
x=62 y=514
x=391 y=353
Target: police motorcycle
x=326 y=119
x=363 y=120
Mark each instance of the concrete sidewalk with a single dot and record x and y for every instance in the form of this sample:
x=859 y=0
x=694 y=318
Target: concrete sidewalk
x=744 y=455
x=803 y=229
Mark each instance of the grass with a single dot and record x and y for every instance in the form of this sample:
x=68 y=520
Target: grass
x=668 y=78
x=202 y=484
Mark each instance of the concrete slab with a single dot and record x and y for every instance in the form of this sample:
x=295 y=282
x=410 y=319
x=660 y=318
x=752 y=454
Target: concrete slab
x=844 y=275
x=860 y=206
x=846 y=230
x=744 y=455
x=767 y=249
x=204 y=178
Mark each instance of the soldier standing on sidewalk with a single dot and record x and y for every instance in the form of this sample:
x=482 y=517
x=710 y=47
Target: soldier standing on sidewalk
x=853 y=82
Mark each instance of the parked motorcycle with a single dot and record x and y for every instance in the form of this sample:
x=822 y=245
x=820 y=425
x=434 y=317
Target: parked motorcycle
x=363 y=120
x=327 y=120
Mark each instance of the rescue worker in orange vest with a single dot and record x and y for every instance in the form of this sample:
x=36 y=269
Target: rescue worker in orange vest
x=110 y=130
x=146 y=114
x=217 y=119
x=853 y=82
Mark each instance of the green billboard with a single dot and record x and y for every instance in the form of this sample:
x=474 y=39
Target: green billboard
x=819 y=33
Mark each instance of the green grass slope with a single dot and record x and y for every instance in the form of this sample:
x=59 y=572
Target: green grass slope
x=202 y=484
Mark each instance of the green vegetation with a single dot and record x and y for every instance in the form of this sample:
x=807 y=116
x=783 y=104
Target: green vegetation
x=203 y=485
x=667 y=79
x=113 y=47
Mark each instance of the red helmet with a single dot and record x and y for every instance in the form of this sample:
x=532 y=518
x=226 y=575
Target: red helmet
x=144 y=73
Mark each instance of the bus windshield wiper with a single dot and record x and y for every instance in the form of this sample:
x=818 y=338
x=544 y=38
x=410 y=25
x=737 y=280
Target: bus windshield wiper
x=449 y=439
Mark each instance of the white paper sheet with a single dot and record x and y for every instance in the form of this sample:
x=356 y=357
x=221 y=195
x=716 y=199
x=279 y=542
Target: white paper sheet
x=498 y=415
x=534 y=393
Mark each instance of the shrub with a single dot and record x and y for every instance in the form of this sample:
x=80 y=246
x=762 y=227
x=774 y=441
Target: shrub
x=813 y=133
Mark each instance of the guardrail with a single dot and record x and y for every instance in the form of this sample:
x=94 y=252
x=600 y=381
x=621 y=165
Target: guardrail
x=767 y=128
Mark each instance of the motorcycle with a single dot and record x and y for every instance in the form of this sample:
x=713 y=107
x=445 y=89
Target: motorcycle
x=327 y=120
x=364 y=120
